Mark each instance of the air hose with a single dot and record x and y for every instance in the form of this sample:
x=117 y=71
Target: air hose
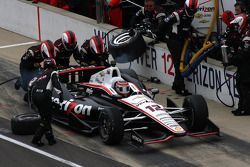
x=8 y=80
x=186 y=68
x=229 y=90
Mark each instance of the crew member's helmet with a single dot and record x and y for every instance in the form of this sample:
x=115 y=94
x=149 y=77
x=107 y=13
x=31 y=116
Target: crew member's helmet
x=69 y=40
x=227 y=17
x=47 y=49
x=49 y=63
x=122 y=88
x=240 y=23
x=96 y=45
x=191 y=7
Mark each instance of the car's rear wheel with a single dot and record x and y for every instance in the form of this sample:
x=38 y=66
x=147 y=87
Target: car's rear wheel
x=25 y=124
x=111 y=128
x=197 y=114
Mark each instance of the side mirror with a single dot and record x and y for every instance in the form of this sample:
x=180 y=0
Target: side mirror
x=155 y=91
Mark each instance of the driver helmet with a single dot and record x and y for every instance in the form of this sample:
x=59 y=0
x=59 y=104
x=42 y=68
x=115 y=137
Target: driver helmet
x=47 y=49
x=96 y=45
x=191 y=7
x=122 y=88
x=69 y=40
x=49 y=63
x=227 y=17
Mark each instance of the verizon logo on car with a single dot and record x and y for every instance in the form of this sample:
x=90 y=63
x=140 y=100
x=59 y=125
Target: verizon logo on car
x=71 y=106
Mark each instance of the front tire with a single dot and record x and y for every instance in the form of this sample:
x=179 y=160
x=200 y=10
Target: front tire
x=197 y=114
x=111 y=128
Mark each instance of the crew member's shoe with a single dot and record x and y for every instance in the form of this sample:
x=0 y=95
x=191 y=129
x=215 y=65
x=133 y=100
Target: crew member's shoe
x=183 y=92
x=240 y=112
x=52 y=142
x=17 y=84
x=25 y=97
x=38 y=143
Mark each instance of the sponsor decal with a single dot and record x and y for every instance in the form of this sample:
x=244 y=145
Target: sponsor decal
x=204 y=21
x=206 y=9
x=68 y=106
x=136 y=139
x=198 y=15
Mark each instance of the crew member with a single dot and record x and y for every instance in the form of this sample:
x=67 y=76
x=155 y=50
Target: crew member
x=150 y=14
x=94 y=52
x=241 y=59
x=41 y=93
x=30 y=63
x=65 y=47
x=178 y=26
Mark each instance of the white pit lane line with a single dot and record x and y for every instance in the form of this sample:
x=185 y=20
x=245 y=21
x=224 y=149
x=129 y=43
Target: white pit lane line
x=39 y=151
x=18 y=44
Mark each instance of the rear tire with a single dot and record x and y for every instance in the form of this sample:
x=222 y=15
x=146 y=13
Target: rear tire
x=197 y=114
x=111 y=128
x=25 y=124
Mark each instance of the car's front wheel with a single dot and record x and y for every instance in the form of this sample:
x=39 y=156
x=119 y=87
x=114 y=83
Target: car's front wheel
x=111 y=128
x=197 y=113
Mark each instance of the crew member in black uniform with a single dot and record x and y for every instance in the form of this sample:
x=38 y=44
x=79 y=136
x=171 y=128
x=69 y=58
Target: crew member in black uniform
x=177 y=27
x=151 y=15
x=41 y=93
x=241 y=59
x=66 y=47
x=30 y=63
x=94 y=52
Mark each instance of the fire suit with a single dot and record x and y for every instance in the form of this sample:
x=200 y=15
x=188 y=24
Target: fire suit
x=177 y=27
x=41 y=93
x=241 y=59
x=30 y=65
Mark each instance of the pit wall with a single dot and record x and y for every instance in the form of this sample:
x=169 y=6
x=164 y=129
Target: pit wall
x=41 y=22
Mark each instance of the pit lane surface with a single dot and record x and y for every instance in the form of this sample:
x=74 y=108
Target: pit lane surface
x=230 y=150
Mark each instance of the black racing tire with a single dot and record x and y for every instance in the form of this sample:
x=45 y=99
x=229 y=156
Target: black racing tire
x=126 y=47
x=111 y=128
x=130 y=72
x=197 y=114
x=25 y=124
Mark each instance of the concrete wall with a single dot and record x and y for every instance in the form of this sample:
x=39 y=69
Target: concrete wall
x=41 y=22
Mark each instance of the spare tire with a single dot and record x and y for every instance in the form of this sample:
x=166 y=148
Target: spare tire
x=25 y=124
x=127 y=46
